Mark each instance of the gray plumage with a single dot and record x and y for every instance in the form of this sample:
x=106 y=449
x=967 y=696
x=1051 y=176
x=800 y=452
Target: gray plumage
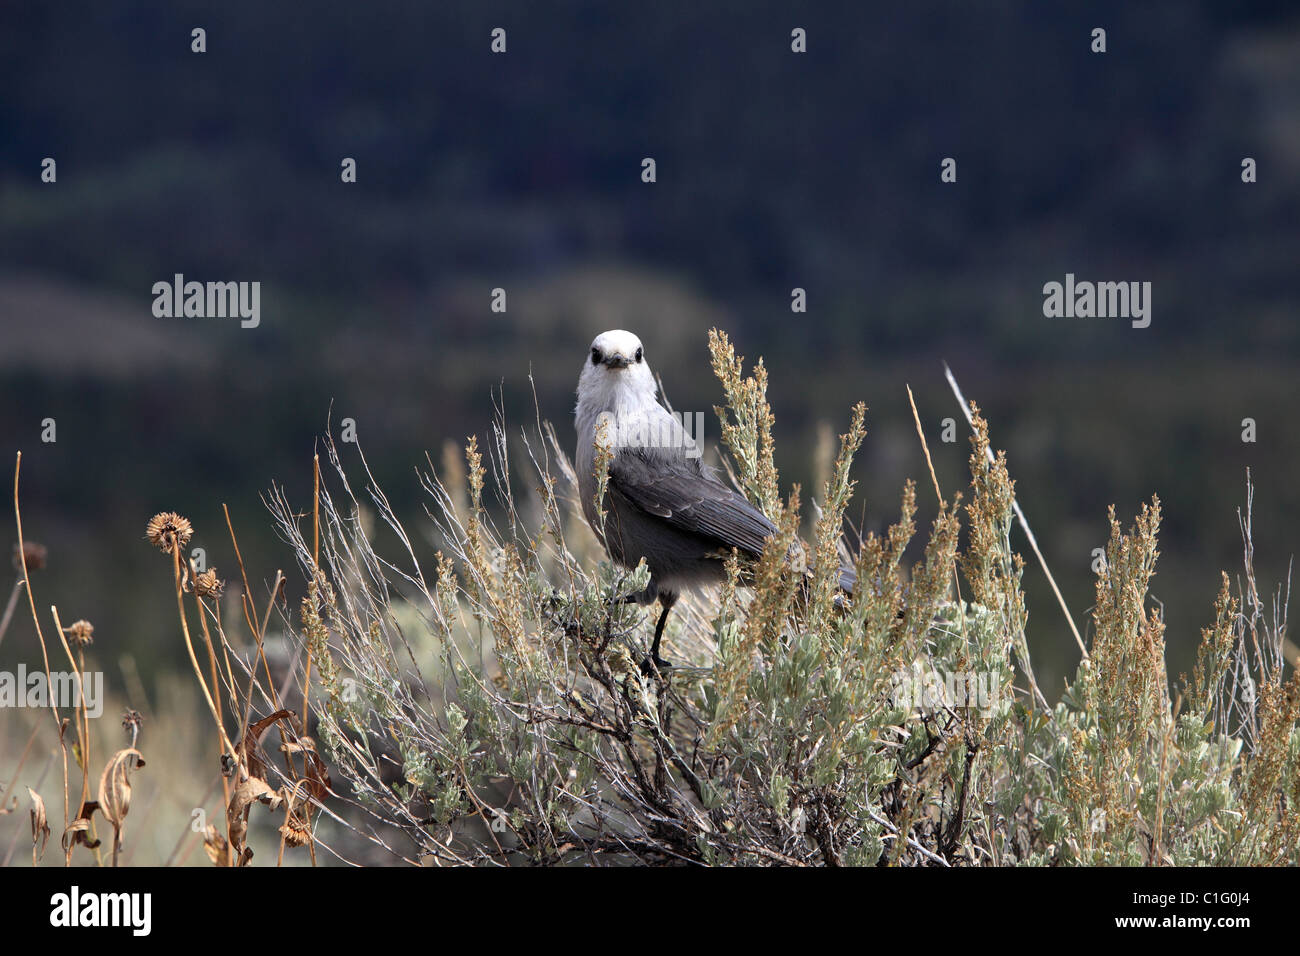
x=661 y=504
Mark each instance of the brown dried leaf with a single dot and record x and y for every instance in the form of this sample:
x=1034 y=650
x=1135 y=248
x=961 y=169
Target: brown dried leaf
x=214 y=844
x=115 y=785
x=40 y=825
x=254 y=788
x=254 y=733
x=238 y=828
x=298 y=746
x=318 y=779
x=78 y=829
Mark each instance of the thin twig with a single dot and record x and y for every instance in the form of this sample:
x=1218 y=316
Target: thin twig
x=1024 y=523
x=893 y=831
x=31 y=601
x=920 y=433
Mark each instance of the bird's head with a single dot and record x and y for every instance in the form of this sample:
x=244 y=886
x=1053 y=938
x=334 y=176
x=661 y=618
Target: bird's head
x=616 y=361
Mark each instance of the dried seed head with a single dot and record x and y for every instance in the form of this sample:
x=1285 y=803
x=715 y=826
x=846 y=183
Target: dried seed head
x=131 y=723
x=207 y=584
x=295 y=833
x=34 y=554
x=81 y=633
x=168 y=531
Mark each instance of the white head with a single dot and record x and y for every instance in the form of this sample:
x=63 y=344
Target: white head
x=616 y=388
x=615 y=368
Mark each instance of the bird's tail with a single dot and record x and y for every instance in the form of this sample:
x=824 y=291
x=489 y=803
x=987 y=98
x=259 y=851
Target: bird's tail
x=848 y=578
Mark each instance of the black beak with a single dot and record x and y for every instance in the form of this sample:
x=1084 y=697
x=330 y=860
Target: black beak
x=616 y=361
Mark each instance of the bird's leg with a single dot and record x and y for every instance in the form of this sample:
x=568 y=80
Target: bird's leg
x=667 y=599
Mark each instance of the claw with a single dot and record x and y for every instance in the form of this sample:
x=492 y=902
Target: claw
x=655 y=665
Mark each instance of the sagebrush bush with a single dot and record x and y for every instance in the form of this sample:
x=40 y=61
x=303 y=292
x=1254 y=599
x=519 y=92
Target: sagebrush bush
x=491 y=709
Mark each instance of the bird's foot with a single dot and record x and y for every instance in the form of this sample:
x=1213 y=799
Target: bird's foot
x=647 y=595
x=653 y=665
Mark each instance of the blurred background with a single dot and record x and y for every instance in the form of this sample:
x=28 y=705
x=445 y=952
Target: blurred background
x=523 y=171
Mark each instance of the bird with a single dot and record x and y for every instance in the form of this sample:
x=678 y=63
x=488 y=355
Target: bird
x=662 y=503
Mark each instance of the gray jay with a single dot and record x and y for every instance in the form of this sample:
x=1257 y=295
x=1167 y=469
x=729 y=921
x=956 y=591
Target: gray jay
x=661 y=502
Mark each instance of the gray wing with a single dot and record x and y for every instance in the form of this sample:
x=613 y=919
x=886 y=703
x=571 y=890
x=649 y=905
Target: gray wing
x=670 y=488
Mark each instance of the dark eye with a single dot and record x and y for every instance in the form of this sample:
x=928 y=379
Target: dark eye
x=638 y=354
x=595 y=356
